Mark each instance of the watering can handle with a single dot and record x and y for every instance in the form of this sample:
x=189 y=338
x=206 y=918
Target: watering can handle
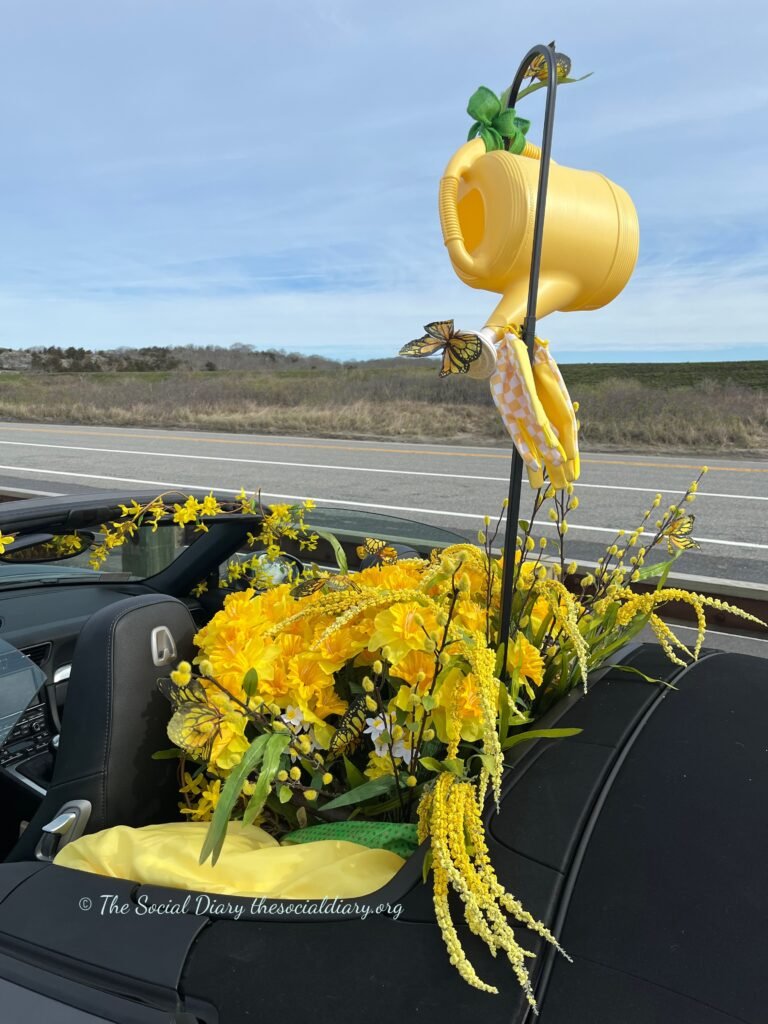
x=453 y=236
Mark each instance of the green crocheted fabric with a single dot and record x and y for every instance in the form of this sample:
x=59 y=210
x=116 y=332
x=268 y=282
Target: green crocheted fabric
x=378 y=835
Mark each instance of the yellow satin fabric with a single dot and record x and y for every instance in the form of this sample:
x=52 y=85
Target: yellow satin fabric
x=252 y=863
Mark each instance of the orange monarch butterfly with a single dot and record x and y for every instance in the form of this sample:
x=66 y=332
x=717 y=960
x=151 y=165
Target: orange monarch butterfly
x=314 y=584
x=460 y=348
x=378 y=549
x=350 y=731
x=678 y=534
x=538 y=66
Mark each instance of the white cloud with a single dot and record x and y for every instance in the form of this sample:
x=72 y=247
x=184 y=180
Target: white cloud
x=269 y=174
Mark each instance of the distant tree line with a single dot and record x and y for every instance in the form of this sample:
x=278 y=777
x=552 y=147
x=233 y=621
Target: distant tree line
x=56 y=359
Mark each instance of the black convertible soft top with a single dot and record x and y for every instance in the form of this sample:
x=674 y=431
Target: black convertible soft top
x=642 y=840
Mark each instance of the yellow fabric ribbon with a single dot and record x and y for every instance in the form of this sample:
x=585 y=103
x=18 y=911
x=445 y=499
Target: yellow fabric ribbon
x=536 y=408
x=252 y=863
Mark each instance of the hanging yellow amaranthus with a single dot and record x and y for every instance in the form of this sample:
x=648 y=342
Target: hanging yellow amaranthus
x=450 y=816
x=633 y=604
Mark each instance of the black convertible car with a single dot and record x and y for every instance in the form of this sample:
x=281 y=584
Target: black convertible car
x=642 y=841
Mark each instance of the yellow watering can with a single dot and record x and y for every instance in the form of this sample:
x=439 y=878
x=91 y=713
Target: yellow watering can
x=487 y=206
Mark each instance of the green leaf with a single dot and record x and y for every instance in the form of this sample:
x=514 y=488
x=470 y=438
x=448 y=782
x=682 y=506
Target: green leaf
x=270 y=764
x=431 y=764
x=338 y=550
x=454 y=765
x=230 y=792
x=504 y=712
x=487 y=761
x=382 y=786
x=428 y=702
x=637 y=672
x=355 y=777
x=524 y=525
x=426 y=867
x=650 y=572
x=535 y=86
x=167 y=755
x=483 y=105
x=251 y=682
x=473 y=131
x=284 y=794
x=499 y=661
x=538 y=734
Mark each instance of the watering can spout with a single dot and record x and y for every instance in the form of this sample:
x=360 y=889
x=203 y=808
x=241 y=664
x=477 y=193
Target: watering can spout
x=487 y=206
x=555 y=292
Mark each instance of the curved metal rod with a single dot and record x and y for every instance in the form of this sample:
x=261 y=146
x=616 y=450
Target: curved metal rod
x=529 y=326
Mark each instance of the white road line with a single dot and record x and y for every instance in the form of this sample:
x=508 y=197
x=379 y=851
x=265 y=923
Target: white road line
x=360 y=469
x=37 y=494
x=340 y=501
x=716 y=632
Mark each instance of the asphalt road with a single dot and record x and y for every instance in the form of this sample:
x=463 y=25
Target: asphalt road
x=452 y=487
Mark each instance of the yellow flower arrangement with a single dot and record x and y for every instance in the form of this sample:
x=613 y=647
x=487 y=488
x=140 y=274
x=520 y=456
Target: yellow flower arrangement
x=389 y=692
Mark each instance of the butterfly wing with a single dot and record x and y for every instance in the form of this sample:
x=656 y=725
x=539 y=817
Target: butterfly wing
x=310 y=585
x=388 y=555
x=194 y=728
x=440 y=330
x=192 y=691
x=340 y=583
x=538 y=66
x=460 y=352
x=425 y=346
x=678 y=534
x=370 y=547
x=350 y=731
x=563 y=65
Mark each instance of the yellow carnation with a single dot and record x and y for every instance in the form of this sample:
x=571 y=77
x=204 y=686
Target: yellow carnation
x=526 y=659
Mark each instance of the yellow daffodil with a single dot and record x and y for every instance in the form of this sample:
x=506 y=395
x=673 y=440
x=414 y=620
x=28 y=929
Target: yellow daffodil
x=402 y=628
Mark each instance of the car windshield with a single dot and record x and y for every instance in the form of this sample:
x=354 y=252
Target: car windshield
x=351 y=522
x=45 y=558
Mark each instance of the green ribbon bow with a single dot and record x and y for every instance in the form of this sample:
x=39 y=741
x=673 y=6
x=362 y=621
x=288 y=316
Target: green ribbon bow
x=494 y=124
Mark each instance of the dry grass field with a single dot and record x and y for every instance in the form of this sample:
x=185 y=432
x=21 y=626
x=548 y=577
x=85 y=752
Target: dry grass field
x=674 y=407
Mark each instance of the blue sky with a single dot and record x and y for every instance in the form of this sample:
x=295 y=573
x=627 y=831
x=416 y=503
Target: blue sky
x=242 y=171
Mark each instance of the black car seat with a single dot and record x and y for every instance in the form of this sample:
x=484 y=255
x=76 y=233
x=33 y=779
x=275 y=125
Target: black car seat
x=115 y=719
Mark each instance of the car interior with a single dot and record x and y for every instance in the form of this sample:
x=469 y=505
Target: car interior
x=77 y=757
x=101 y=640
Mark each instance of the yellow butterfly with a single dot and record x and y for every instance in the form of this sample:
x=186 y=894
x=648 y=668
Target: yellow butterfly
x=314 y=584
x=460 y=348
x=538 y=66
x=678 y=534
x=351 y=727
x=195 y=728
x=378 y=549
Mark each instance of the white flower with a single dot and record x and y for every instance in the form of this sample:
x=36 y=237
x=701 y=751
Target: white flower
x=400 y=748
x=294 y=718
x=374 y=728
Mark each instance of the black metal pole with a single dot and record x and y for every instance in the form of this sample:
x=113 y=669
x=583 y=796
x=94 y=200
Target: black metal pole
x=529 y=325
